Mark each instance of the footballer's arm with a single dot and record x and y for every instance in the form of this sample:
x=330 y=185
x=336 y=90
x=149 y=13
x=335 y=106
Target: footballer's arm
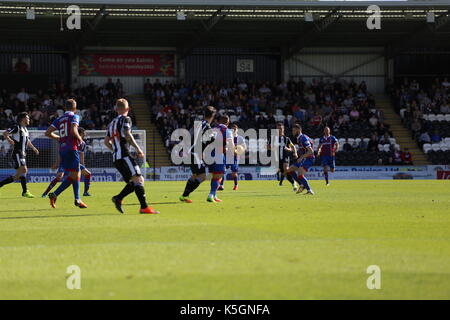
x=107 y=143
x=309 y=151
x=51 y=133
x=129 y=137
x=31 y=145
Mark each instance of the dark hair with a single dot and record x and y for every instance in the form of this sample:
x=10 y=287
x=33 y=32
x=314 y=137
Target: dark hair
x=297 y=126
x=280 y=124
x=81 y=130
x=210 y=112
x=224 y=119
x=21 y=115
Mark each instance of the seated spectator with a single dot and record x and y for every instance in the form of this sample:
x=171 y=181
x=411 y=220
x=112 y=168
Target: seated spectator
x=407 y=157
x=373 y=143
x=424 y=138
x=435 y=137
x=347 y=147
x=397 y=158
x=362 y=146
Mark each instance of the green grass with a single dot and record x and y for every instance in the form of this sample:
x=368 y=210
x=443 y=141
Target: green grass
x=262 y=242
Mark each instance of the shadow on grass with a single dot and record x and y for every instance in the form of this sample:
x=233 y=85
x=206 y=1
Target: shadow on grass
x=150 y=203
x=58 y=216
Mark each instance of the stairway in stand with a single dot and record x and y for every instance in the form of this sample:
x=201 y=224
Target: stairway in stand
x=402 y=135
x=157 y=155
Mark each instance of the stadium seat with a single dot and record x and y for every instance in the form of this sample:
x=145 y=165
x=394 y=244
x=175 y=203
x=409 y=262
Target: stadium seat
x=440 y=117
x=386 y=147
x=426 y=147
x=431 y=117
x=392 y=140
x=380 y=147
x=435 y=147
x=447 y=117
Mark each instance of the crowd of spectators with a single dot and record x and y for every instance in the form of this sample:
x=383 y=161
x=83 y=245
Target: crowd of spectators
x=345 y=106
x=95 y=104
x=413 y=100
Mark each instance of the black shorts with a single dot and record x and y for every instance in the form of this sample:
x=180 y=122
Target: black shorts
x=128 y=168
x=198 y=168
x=19 y=160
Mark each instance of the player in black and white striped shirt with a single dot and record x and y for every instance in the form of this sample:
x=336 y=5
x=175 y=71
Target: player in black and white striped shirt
x=198 y=167
x=286 y=152
x=118 y=138
x=19 y=138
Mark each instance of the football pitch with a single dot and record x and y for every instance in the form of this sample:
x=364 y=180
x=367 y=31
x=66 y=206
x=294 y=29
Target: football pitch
x=262 y=242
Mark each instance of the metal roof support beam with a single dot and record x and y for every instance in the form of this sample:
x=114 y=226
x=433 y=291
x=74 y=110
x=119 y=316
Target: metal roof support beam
x=359 y=65
x=90 y=32
x=407 y=41
x=203 y=33
x=307 y=38
x=325 y=73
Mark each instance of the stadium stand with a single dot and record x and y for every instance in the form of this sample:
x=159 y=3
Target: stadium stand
x=425 y=110
x=347 y=107
x=95 y=104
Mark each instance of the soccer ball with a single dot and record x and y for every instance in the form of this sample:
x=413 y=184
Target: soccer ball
x=240 y=150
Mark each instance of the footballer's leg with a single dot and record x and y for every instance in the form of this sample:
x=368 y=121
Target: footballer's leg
x=198 y=176
x=138 y=181
x=53 y=183
x=325 y=174
x=289 y=177
x=87 y=181
x=22 y=172
x=217 y=174
x=235 y=175
x=11 y=179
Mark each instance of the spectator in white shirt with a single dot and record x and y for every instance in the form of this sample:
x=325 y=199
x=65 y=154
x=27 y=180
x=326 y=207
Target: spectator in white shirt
x=23 y=96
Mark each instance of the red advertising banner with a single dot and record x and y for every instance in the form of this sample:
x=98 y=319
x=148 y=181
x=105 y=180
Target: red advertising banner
x=161 y=65
x=443 y=175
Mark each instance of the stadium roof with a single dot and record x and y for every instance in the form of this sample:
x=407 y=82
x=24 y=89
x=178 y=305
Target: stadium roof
x=228 y=23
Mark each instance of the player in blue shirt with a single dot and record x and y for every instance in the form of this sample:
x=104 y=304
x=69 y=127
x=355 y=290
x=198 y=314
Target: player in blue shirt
x=304 y=161
x=84 y=172
x=238 y=141
x=69 y=139
x=218 y=168
x=328 y=145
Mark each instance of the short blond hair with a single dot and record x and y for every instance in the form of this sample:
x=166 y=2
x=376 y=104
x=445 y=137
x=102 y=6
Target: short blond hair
x=71 y=104
x=122 y=104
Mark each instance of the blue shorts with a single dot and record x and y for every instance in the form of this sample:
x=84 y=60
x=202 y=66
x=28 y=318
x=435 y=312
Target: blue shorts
x=70 y=160
x=217 y=168
x=61 y=169
x=328 y=161
x=234 y=167
x=305 y=163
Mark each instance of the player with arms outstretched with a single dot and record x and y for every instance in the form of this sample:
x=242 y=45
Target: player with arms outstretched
x=238 y=141
x=328 y=145
x=118 y=138
x=304 y=161
x=69 y=139
x=203 y=136
x=19 y=138
x=84 y=172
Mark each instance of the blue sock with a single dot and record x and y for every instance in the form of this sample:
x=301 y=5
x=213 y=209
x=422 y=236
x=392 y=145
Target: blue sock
x=76 y=189
x=304 y=182
x=295 y=177
x=214 y=186
x=63 y=186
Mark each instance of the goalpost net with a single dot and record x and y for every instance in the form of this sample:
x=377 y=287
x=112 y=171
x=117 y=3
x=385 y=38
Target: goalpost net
x=98 y=159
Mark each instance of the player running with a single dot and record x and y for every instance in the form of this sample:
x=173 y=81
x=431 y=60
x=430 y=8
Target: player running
x=326 y=150
x=286 y=151
x=203 y=136
x=118 y=138
x=19 y=138
x=69 y=139
x=238 y=141
x=305 y=160
x=218 y=168
x=84 y=172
